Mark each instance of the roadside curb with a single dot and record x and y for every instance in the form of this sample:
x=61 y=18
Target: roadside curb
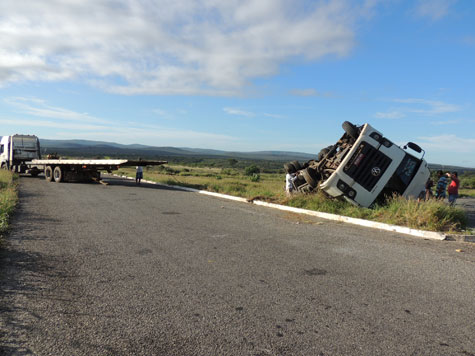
x=432 y=235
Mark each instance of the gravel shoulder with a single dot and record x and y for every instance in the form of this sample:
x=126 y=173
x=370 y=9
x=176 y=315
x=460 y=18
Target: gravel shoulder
x=147 y=270
x=468 y=204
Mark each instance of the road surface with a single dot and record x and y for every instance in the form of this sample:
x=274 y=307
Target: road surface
x=145 y=270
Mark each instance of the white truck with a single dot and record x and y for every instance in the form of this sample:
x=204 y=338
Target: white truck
x=21 y=153
x=364 y=167
x=16 y=150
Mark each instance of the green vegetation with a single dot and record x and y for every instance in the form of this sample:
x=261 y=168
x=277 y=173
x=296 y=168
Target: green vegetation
x=8 y=198
x=432 y=215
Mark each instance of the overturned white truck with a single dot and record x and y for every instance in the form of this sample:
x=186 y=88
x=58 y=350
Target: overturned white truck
x=363 y=167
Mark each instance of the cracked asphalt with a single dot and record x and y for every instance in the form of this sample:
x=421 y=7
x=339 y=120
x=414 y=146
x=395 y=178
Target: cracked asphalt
x=122 y=269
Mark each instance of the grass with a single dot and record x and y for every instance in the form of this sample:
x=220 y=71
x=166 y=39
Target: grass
x=8 y=198
x=432 y=215
x=467 y=192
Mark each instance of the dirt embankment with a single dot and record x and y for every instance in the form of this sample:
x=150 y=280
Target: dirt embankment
x=468 y=204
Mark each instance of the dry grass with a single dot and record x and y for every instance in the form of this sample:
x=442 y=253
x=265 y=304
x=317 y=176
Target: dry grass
x=8 y=198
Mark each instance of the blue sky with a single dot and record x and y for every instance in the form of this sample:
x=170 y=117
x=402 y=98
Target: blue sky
x=243 y=75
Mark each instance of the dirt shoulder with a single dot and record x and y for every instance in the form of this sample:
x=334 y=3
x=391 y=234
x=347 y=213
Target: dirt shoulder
x=468 y=204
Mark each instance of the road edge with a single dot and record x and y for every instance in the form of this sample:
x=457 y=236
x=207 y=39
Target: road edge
x=432 y=235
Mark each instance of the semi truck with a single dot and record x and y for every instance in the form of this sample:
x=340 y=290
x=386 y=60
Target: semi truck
x=364 y=167
x=16 y=150
x=22 y=154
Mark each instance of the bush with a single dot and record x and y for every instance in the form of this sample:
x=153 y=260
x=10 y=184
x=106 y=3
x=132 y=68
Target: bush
x=255 y=178
x=252 y=169
x=467 y=181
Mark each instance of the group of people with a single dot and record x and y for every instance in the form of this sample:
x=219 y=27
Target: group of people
x=444 y=187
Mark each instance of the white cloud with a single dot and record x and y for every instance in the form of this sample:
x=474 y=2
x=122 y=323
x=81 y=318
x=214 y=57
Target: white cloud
x=389 y=115
x=449 y=143
x=38 y=107
x=167 y=47
x=304 y=92
x=428 y=107
x=274 y=116
x=238 y=112
x=433 y=9
x=126 y=134
x=446 y=122
x=310 y=92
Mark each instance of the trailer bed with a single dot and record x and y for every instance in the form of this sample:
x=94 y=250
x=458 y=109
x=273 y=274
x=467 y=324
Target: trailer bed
x=95 y=162
x=74 y=170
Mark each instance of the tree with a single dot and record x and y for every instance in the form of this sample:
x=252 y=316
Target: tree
x=252 y=169
x=232 y=162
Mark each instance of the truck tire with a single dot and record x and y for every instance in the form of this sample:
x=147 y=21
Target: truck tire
x=297 y=165
x=58 y=174
x=350 y=129
x=48 y=173
x=34 y=172
x=323 y=152
x=310 y=177
x=289 y=168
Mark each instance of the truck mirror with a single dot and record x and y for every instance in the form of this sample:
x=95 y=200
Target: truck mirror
x=414 y=147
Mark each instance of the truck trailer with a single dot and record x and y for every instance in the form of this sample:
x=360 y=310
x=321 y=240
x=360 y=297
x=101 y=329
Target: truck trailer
x=21 y=153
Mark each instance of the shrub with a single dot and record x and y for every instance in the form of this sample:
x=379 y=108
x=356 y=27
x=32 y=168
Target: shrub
x=255 y=178
x=252 y=169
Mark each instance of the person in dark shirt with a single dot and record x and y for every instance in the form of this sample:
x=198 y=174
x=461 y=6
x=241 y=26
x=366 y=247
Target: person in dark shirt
x=429 y=185
x=441 y=186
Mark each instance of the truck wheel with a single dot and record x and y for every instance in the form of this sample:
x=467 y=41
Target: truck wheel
x=323 y=152
x=310 y=177
x=58 y=174
x=350 y=129
x=297 y=165
x=48 y=173
x=289 y=168
x=34 y=172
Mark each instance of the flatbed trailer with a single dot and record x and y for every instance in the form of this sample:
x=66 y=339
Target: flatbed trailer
x=73 y=170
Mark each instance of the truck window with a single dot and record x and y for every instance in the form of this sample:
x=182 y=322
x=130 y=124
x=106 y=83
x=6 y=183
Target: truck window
x=1 y=149
x=401 y=177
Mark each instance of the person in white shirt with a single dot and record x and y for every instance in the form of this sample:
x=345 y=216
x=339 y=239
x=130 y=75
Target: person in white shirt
x=289 y=180
x=138 y=174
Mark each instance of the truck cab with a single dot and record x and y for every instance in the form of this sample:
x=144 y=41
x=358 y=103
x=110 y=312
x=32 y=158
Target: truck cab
x=367 y=167
x=16 y=150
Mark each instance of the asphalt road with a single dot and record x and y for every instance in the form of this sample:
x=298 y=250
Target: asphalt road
x=142 y=270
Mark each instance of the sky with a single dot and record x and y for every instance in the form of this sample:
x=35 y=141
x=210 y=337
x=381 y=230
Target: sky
x=241 y=75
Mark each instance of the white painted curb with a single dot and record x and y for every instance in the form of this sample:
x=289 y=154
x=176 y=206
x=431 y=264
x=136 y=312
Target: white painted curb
x=367 y=223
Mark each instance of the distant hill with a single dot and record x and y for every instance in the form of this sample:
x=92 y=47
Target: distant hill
x=446 y=168
x=94 y=148
x=87 y=148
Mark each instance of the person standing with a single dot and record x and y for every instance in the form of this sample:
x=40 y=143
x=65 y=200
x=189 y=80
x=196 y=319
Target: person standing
x=428 y=191
x=441 y=186
x=289 y=183
x=453 y=188
x=138 y=174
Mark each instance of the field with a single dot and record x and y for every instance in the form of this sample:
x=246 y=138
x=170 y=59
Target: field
x=248 y=183
x=8 y=198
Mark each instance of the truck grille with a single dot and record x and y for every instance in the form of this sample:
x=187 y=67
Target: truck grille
x=367 y=166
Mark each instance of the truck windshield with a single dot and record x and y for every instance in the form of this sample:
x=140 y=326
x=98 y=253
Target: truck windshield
x=403 y=175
